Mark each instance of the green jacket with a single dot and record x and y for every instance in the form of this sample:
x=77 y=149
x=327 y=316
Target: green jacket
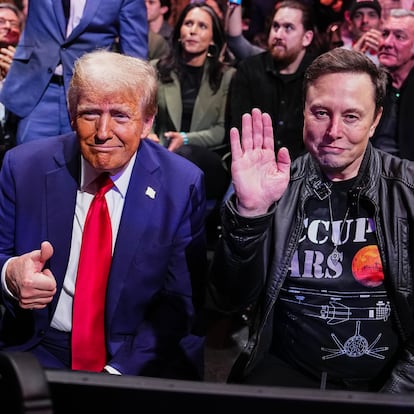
x=208 y=120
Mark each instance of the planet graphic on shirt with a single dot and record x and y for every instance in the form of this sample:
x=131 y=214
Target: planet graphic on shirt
x=367 y=267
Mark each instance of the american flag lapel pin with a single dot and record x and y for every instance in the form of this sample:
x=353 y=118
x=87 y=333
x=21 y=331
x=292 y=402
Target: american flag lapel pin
x=150 y=192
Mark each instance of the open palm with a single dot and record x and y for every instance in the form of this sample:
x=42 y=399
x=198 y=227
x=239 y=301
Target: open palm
x=259 y=178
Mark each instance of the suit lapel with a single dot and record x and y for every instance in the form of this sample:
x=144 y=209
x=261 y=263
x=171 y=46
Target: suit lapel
x=144 y=192
x=91 y=7
x=60 y=210
x=60 y=16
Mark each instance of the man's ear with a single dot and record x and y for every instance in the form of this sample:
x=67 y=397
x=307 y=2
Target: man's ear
x=147 y=126
x=307 y=38
x=376 y=122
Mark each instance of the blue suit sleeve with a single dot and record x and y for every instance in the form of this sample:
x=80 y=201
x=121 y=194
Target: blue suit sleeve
x=133 y=29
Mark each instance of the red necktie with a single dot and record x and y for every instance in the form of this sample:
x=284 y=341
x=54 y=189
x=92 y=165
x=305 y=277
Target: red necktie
x=88 y=336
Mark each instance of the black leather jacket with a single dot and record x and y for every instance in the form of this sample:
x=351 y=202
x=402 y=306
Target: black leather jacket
x=254 y=254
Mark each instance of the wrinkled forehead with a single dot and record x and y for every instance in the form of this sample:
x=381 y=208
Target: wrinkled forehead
x=404 y=24
x=108 y=86
x=109 y=96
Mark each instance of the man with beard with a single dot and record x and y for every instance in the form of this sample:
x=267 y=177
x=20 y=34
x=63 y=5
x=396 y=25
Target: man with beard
x=396 y=52
x=272 y=80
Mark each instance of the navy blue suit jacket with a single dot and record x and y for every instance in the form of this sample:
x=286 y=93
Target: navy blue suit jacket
x=43 y=44
x=157 y=272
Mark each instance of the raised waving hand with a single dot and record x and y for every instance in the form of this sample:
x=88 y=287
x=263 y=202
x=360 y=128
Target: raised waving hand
x=259 y=176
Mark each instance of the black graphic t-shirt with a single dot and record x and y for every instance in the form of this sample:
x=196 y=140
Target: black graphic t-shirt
x=333 y=313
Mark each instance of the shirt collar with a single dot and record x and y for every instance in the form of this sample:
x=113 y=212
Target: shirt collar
x=120 y=179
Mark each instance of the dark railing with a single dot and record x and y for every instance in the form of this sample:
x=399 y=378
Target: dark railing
x=26 y=388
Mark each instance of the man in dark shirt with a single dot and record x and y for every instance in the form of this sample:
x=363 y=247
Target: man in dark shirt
x=272 y=80
x=320 y=249
x=396 y=53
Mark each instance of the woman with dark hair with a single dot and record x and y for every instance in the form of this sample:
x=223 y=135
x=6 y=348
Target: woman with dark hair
x=192 y=97
x=193 y=81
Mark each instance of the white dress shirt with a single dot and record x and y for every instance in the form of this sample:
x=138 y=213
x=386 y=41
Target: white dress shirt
x=76 y=12
x=62 y=319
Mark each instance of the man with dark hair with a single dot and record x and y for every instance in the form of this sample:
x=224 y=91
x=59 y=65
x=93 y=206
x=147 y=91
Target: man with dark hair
x=321 y=248
x=364 y=21
x=159 y=30
x=272 y=80
x=158 y=12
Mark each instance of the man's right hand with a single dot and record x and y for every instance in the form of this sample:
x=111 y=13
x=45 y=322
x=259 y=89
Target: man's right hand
x=259 y=178
x=28 y=281
x=370 y=40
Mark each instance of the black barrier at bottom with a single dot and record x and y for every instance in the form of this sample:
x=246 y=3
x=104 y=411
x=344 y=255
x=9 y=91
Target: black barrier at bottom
x=78 y=392
x=26 y=388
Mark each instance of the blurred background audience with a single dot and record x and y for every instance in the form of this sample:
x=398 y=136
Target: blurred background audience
x=54 y=36
x=394 y=133
x=363 y=32
x=158 y=12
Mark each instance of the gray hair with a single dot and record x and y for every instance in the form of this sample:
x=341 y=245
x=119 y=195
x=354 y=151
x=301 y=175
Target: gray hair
x=401 y=13
x=114 y=72
x=15 y=10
